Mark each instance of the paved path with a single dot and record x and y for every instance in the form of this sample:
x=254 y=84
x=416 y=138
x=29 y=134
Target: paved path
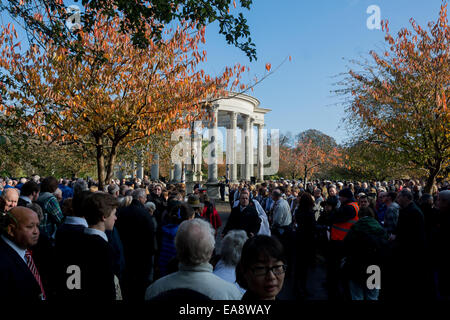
x=316 y=277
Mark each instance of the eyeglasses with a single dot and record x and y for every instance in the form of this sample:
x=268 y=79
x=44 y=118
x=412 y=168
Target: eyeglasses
x=276 y=270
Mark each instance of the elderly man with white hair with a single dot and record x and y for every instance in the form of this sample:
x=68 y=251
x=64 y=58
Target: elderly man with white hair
x=195 y=244
x=10 y=197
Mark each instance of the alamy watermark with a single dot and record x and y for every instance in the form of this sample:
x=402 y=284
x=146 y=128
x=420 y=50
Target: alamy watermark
x=374 y=280
x=74 y=21
x=374 y=20
x=189 y=149
x=74 y=279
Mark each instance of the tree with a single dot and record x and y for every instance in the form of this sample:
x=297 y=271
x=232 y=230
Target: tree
x=134 y=17
x=320 y=139
x=313 y=152
x=399 y=101
x=368 y=161
x=117 y=95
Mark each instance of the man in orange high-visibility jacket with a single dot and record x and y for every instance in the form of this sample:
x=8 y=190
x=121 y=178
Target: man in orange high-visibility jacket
x=345 y=217
x=341 y=221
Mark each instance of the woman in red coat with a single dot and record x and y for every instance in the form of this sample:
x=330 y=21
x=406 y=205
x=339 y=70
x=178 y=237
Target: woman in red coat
x=210 y=214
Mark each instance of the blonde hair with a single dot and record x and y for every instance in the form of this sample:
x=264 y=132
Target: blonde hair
x=125 y=201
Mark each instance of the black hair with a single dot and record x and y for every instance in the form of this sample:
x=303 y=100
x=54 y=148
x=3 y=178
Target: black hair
x=77 y=202
x=28 y=188
x=49 y=184
x=257 y=248
x=180 y=212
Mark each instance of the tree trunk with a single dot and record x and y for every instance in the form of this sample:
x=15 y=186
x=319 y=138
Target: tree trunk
x=305 y=176
x=100 y=162
x=434 y=171
x=111 y=163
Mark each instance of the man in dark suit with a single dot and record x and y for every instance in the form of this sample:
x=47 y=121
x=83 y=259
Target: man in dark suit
x=92 y=255
x=136 y=231
x=98 y=256
x=20 y=231
x=244 y=216
x=409 y=266
x=67 y=240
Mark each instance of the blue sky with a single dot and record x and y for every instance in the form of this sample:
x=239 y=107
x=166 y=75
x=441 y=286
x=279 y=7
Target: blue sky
x=318 y=35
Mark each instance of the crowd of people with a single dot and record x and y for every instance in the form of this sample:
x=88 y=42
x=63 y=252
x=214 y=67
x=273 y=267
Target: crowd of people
x=146 y=240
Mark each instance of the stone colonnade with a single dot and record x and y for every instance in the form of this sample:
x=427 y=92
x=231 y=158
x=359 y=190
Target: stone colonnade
x=239 y=113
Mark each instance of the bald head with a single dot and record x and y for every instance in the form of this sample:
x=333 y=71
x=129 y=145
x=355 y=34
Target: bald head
x=11 y=196
x=23 y=228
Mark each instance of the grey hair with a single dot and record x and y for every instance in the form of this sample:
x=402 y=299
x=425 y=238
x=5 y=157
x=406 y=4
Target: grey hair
x=113 y=188
x=150 y=205
x=232 y=245
x=36 y=208
x=124 y=201
x=80 y=186
x=139 y=193
x=194 y=242
x=8 y=190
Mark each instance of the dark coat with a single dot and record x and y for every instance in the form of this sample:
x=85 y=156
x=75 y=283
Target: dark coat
x=94 y=256
x=410 y=233
x=44 y=259
x=305 y=234
x=68 y=239
x=116 y=244
x=442 y=257
x=247 y=220
x=17 y=283
x=22 y=203
x=366 y=244
x=136 y=230
x=97 y=265
x=407 y=271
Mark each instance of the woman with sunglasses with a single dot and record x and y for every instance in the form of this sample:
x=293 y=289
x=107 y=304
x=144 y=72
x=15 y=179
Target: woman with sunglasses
x=262 y=268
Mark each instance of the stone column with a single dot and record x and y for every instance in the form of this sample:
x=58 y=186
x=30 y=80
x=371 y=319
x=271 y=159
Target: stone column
x=122 y=172
x=242 y=155
x=177 y=173
x=212 y=184
x=260 y=161
x=133 y=169
x=183 y=173
x=231 y=144
x=198 y=165
x=171 y=175
x=247 y=148
x=190 y=168
x=251 y=139
x=155 y=167
x=140 y=166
